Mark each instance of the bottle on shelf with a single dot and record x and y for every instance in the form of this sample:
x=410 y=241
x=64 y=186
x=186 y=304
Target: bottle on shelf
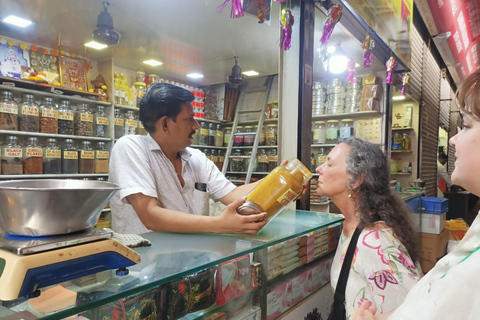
x=28 y=119
x=116 y=90
x=398 y=186
x=397 y=141
x=101 y=122
x=331 y=134
x=248 y=139
x=86 y=158
x=238 y=140
x=119 y=124
x=321 y=157
x=83 y=121
x=102 y=157
x=262 y=140
x=65 y=118
x=12 y=156
x=211 y=134
x=268 y=111
x=274 y=114
x=399 y=164
x=262 y=159
x=319 y=132
x=393 y=165
x=409 y=167
x=33 y=157
x=52 y=157
x=122 y=88
x=69 y=158
x=130 y=123
x=313 y=162
x=48 y=116
x=238 y=164
x=219 y=136
x=406 y=142
x=203 y=134
x=272 y=160
x=221 y=159
x=8 y=112
x=226 y=136
x=271 y=135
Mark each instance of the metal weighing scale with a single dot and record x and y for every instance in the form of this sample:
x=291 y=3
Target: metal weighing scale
x=28 y=264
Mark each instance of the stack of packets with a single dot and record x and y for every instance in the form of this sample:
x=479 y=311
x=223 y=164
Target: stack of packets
x=371 y=94
x=283 y=258
x=314 y=196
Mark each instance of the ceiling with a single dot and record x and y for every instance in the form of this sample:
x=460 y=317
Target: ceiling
x=186 y=35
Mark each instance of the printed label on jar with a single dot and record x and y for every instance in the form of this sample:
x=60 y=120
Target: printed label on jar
x=273 y=158
x=263 y=159
x=332 y=134
x=53 y=153
x=87 y=154
x=222 y=159
x=204 y=132
x=288 y=196
x=103 y=154
x=214 y=159
x=119 y=122
x=34 y=152
x=8 y=108
x=270 y=135
x=321 y=160
x=262 y=137
x=102 y=121
x=65 y=115
x=345 y=132
x=30 y=111
x=86 y=117
x=141 y=125
x=13 y=152
x=238 y=139
x=220 y=134
x=315 y=134
x=47 y=113
x=73 y=155
x=132 y=123
x=226 y=138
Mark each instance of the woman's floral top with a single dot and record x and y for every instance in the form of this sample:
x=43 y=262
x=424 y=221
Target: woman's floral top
x=382 y=271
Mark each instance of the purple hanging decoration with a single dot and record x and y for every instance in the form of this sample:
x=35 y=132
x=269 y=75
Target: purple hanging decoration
x=286 y=24
x=351 y=71
x=390 y=64
x=405 y=80
x=334 y=15
x=237 y=9
x=368 y=45
x=280 y=0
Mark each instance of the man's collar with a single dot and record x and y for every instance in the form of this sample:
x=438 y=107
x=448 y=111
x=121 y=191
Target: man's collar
x=153 y=145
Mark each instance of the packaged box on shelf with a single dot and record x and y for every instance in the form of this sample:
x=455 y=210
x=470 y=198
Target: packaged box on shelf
x=372 y=91
x=321 y=240
x=275 y=301
x=369 y=104
x=434 y=246
x=433 y=223
x=370 y=80
x=299 y=288
x=306 y=240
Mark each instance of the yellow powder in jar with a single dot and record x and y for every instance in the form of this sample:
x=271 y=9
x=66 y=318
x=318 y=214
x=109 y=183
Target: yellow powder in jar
x=100 y=166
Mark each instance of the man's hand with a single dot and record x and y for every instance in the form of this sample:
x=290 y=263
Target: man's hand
x=305 y=186
x=232 y=222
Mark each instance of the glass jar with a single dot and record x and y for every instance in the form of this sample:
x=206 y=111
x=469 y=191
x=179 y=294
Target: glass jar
x=346 y=129
x=238 y=140
x=319 y=132
x=214 y=156
x=28 y=118
x=101 y=122
x=221 y=159
x=272 y=160
x=203 y=134
x=140 y=90
x=268 y=111
x=12 y=156
x=331 y=135
x=102 y=157
x=239 y=164
x=131 y=123
x=406 y=142
x=196 y=137
x=153 y=78
x=397 y=141
x=8 y=112
x=274 y=114
x=69 y=158
x=48 y=116
x=278 y=189
x=52 y=157
x=65 y=118
x=271 y=135
x=321 y=157
x=219 y=136
x=211 y=134
x=83 y=121
x=86 y=158
x=207 y=154
x=262 y=159
x=33 y=157
x=313 y=162
x=119 y=124
x=249 y=139
x=262 y=141
x=226 y=136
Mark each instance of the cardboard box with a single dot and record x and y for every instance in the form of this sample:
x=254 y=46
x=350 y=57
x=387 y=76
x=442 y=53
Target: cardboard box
x=434 y=246
x=433 y=223
x=275 y=301
x=299 y=288
x=369 y=104
x=370 y=80
x=372 y=91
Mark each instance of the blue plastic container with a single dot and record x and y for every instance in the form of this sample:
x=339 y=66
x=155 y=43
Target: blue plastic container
x=434 y=205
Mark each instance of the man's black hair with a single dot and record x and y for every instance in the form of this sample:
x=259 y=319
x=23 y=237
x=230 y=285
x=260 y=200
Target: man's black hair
x=442 y=156
x=160 y=100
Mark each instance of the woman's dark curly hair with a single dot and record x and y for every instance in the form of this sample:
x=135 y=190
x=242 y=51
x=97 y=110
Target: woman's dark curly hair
x=375 y=199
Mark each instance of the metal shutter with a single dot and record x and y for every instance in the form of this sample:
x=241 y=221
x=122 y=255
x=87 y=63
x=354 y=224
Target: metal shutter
x=455 y=121
x=430 y=121
x=416 y=73
x=445 y=100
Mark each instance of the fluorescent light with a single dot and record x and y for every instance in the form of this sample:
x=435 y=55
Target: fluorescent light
x=195 y=75
x=357 y=65
x=338 y=64
x=153 y=63
x=19 y=22
x=95 y=45
x=251 y=73
x=331 y=49
x=397 y=98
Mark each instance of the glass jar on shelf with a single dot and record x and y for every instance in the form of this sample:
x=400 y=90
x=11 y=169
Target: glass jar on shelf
x=48 y=116
x=86 y=158
x=33 y=157
x=313 y=162
x=321 y=157
x=122 y=88
x=249 y=139
x=262 y=141
x=203 y=134
x=238 y=139
x=219 y=136
x=12 y=156
x=28 y=119
x=214 y=156
x=69 y=158
x=331 y=135
x=65 y=118
x=52 y=157
x=131 y=123
x=221 y=159
x=271 y=135
x=8 y=112
x=102 y=157
x=140 y=90
x=272 y=160
x=207 y=154
x=83 y=121
x=238 y=164
x=101 y=122
x=274 y=114
x=262 y=159
x=226 y=136
x=119 y=124
x=211 y=134
x=346 y=129
x=319 y=132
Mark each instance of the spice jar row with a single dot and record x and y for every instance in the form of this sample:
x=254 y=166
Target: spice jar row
x=265 y=161
x=48 y=117
x=33 y=158
x=332 y=131
x=217 y=156
x=318 y=158
x=127 y=124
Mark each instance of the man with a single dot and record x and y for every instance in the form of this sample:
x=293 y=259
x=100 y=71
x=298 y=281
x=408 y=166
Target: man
x=442 y=171
x=165 y=186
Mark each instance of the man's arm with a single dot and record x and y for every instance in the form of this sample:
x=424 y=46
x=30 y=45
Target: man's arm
x=238 y=193
x=157 y=218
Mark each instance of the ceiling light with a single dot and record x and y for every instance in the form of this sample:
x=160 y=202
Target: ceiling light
x=357 y=65
x=16 y=21
x=153 y=63
x=104 y=32
x=331 y=49
x=95 y=45
x=195 y=75
x=338 y=61
x=398 y=98
x=251 y=73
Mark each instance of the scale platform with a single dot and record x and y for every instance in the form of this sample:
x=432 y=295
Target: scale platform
x=28 y=264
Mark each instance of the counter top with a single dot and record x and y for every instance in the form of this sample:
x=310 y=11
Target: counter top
x=174 y=256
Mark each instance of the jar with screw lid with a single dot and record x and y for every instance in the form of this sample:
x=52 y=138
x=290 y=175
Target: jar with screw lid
x=28 y=119
x=219 y=136
x=65 y=118
x=319 y=132
x=262 y=159
x=86 y=158
x=238 y=139
x=226 y=136
x=69 y=158
x=101 y=122
x=119 y=124
x=131 y=123
x=52 y=157
x=271 y=135
x=203 y=141
x=83 y=121
x=102 y=157
x=331 y=135
x=8 y=112
x=249 y=138
x=48 y=116
x=33 y=157
x=211 y=134
x=12 y=156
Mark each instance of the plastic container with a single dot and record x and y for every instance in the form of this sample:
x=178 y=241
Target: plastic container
x=346 y=129
x=457 y=229
x=8 y=112
x=33 y=157
x=65 y=118
x=277 y=190
x=69 y=158
x=101 y=122
x=52 y=157
x=434 y=205
x=12 y=156
x=28 y=119
x=83 y=121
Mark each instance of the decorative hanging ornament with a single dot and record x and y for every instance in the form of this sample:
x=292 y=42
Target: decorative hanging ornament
x=368 y=45
x=237 y=10
x=286 y=25
x=334 y=15
x=390 y=64
x=405 y=80
x=351 y=71
x=260 y=12
x=280 y=0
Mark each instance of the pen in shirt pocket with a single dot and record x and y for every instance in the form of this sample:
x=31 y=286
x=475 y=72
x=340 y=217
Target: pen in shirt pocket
x=201 y=186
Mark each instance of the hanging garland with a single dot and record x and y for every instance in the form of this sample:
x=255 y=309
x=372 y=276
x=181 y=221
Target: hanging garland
x=390 y=64
x=286 y=25
x=351 y=71
x=368 y=45
x=334 y=15
x=237 y=9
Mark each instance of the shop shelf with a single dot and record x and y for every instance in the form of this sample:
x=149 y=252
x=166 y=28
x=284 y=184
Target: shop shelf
x=402 y=151
x=52 y=176
x=400 y=173
x=56 y=96
x=213 y=121
x=207 y=147
x=51 y=135
x=402 y=129
x=254 y=122
x=350 y=115
x=119 y=106
x=259 y=147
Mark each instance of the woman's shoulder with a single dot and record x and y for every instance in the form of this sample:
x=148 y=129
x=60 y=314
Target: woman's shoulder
x=379 y=235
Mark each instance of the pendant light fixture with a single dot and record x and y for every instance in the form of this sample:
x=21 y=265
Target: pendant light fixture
x=236 y=76
x=337 y=61
x=104 y=32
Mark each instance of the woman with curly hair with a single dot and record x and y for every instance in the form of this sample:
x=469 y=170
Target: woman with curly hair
x=356 y=178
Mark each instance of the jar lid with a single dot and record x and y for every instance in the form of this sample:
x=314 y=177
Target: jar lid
x=139 y=84
x=248 y=127
x=275 y=102
x=347 y=120
x=319 y=122
x=249 y=208
x=332 y=121
x=271 y=125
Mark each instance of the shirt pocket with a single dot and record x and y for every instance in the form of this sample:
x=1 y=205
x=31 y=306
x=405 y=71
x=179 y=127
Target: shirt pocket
x=201 y=202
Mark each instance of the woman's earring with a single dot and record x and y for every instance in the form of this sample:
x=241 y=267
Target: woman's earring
x=350 y=195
